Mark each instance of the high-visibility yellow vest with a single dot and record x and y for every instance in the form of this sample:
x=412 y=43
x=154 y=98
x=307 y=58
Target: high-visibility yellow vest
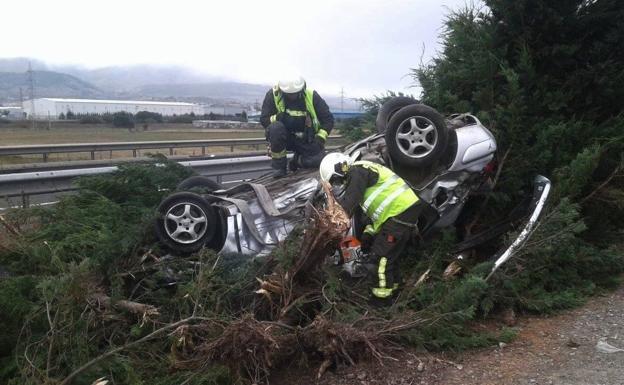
x=387 y=198
x=280 y=105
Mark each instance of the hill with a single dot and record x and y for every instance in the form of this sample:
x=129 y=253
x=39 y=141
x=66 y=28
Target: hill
x=132 y=82
x=47 y=84
x=216 y=90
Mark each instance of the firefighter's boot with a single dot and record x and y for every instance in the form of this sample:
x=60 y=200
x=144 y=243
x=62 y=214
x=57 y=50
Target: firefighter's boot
x=279 y=167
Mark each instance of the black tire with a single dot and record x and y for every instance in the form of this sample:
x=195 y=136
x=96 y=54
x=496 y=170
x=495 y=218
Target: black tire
x=389 y=108
x=199 y=182
x=416 y=136
x=185 y=241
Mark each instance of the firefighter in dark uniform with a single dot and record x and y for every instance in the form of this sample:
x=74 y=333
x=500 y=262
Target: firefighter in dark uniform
x=295 y=118
x=392 y=207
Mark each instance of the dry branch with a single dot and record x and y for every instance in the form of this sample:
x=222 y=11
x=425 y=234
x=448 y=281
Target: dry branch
x=251 y=348
x=139 y=309
x=9 y=227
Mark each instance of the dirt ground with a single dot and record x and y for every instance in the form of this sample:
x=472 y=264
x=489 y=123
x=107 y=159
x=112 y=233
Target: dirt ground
x=559 y=350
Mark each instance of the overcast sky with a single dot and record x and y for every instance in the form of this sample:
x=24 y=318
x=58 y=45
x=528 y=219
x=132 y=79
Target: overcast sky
x=364 y=46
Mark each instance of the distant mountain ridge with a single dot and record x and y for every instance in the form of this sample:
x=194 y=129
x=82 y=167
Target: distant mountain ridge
x=129 y=82
x=47 y=84
x=216 y=90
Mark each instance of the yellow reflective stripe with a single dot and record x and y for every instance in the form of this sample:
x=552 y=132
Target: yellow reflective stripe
x=296 y=112
x=280 y=105
x=381 y=271
x=278 y=155
x=277 y=98
x=309 y=102
x=273 y=118
x=381 y=292
x=322 y=134
x=389 y=200
x=378 y=191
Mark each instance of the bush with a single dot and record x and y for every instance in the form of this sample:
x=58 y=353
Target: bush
x=354 y=129
x=90 y=119
x=185 y=118
x=123 y=120
x=146 y=117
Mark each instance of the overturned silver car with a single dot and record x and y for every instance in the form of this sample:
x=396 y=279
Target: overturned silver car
x=445 y=161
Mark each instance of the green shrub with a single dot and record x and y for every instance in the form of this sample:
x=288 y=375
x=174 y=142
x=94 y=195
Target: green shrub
x=123 y=120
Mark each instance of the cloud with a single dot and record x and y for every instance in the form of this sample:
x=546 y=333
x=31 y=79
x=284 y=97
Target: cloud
x=365 y=46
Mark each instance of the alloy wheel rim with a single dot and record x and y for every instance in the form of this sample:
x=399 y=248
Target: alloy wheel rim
x=185 y=222
x=416 y=137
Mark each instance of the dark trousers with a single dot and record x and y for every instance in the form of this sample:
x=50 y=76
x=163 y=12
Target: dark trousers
x=388 y=247
x=282 y=140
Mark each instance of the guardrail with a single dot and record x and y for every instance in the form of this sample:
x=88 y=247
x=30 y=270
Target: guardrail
x=50 y=183
x=92 y=148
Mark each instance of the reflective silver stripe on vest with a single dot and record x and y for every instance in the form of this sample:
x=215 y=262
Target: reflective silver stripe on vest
x=378 y=191
x=296 y=112
x=389 y=200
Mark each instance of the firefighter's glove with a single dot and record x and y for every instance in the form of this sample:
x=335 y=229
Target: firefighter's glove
x=293 y=123
x=367 y=242
x=319 y=142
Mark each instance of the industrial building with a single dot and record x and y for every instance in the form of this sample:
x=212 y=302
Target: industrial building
x=11 y=112
x=45 y=108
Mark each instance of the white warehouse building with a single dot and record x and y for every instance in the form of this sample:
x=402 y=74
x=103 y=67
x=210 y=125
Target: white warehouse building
x=53 y=107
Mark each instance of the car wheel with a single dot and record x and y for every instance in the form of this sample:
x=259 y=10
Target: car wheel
x=185 y=222
x=389 y=108
x=199 y=182
x=416 y=136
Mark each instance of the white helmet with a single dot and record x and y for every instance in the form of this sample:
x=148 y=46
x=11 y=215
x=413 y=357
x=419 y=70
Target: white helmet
x=327 y=168
x=291 y=86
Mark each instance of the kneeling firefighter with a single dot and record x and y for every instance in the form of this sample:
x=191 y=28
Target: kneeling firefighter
x=295 y=118
x=392 y=207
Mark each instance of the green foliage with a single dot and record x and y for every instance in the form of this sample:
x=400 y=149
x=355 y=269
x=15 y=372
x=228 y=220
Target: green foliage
x=146 y=117
x=90 y=119
x=541 y=75
x=17 y=300
x=79 y=244
x=139 y=185
x=354 y=129
x=184 y=118
x=372 y=105
x=123 y=119
x=557 y=269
